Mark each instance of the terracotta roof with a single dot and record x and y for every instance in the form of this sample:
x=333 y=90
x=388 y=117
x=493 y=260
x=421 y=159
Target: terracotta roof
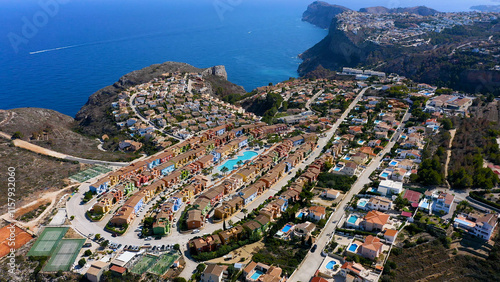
x=376 y=217
x=390 y=232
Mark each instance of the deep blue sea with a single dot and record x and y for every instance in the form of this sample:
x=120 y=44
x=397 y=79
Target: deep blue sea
x=55 y=53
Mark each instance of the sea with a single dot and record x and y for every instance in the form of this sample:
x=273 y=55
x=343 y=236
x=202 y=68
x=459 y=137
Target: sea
x=55 y=53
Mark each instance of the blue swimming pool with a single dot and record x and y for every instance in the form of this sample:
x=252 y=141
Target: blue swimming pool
x=353 y=248
x=352 y=219
x=286 y=228
x=300 y=215
x=463 y=222
x=347 y=158
x=362 y=203
x=384 y=175
x=256 y=275
x=337 y=168
x=393 y=163
x=230 y=164
x=331 y=264
x=361 y=142
x=424 y=204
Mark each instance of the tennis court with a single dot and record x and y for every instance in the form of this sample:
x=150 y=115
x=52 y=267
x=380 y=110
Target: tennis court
x=48 y=240
x=163 y=264
x=144 y=264
x=65 y=254
x=92 y=172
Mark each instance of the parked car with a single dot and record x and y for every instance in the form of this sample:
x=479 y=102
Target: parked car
x=313 y=249
x=195 y=231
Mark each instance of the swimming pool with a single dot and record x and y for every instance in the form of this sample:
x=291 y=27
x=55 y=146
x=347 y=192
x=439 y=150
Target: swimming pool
x=331 y=264
x=361 y=142
x=256 y=275
x=337 y=168
x=464 y=222
x=393 y=163
x=424 y=204
x=352 y=219
x=353 y=247
x=362 y=203
x=384 y=174
x=300 y=215
x=230 y=164
x=286 y=228
x=347 y=158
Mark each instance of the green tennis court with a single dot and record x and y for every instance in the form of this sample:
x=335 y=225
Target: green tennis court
x=65 y=254
x=144 y=264
x=163 y=264
x=47 y=242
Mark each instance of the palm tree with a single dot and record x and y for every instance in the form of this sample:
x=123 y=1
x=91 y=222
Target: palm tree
x=224 y=169
x=239 y=163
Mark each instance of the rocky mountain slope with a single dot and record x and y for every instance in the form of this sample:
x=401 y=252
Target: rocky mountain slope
x=450 y=58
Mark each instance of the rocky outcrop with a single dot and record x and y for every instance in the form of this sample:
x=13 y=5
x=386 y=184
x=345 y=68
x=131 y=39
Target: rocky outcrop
x=320 y=13
x=217 y=71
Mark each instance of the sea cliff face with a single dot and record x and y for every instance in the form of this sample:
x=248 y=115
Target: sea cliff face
x=335 y=51
x=94 y=117
x=320 y=13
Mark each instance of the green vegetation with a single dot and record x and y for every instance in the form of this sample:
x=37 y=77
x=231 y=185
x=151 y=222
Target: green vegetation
x=335 y=181
x=267 y=107
x=474 y=141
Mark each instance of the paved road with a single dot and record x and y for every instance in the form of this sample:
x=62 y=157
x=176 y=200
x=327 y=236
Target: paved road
x=312 y=261
x=308 y=104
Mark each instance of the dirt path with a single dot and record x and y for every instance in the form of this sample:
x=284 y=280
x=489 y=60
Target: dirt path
x=10 y=115
x=33 y=224
x=448 y=155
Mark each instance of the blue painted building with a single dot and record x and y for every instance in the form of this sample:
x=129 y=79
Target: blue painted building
x=100 y=186
x=248 y=195
x=221 y=131
x=238 y=132
x=166 y=168
x=177 y=200
x=243 y=143
x=153 y=162
x=297 y=140
x=216 y=156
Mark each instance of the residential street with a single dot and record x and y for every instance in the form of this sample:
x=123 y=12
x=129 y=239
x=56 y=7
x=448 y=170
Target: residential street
x=313 y=260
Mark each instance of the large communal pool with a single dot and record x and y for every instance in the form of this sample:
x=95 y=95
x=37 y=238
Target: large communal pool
x=286 y=228
x=256 y=274
x=230 y=164
x=352 y=219
x=331 y=264
x=353 y=247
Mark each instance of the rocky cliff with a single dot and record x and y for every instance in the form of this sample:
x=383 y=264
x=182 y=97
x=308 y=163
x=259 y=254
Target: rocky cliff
x=320 y=13
x=94 y=117
x=335 y=51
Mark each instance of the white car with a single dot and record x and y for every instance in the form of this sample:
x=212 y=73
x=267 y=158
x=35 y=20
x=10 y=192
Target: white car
x=196 y=231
